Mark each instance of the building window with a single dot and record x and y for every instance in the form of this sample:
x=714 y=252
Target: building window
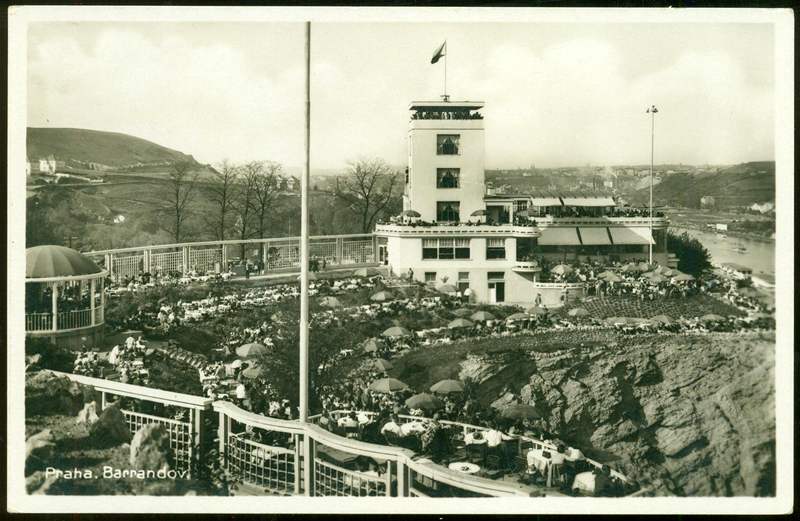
x=447 y=211
x=520 y=206
x=496 y=275
x=495 y=249
x=447 y=177
x=430 y=277
x=446 y=249
x=463 y=280
x=447 y=144
x=462 y=249
x=430 y=249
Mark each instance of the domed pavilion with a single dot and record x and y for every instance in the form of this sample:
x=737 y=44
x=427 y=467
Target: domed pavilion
x=64 y=297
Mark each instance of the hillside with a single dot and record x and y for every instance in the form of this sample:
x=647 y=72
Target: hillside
x=81 y=146
x=739 y=185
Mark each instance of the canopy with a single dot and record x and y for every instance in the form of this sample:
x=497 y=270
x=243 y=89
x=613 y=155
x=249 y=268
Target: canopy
x=588 y=201
x=447 y=288
x=578 y=312
x=424 y=401
x=462 y=312
x=251 y=350
x=459 y=322
x=545 y=201
x=387 y=385
x=593 y=236
x=482 y=316
x=381 y=296
x=520 y=412
x=478 y=213
x=411 y=213
x=559 y=236
x=621 y=235
x=396 y=331
x=43 y=262
x=330 y=302
x=371 y=345
x=448 y=386
x=381 y=364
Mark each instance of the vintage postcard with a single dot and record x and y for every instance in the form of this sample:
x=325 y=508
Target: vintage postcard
x=400 y=260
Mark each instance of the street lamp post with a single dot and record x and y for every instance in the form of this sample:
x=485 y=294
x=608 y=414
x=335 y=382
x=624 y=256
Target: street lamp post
x=652 y=110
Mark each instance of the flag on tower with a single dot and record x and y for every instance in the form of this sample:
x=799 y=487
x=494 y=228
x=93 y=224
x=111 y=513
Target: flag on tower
x=441 y=51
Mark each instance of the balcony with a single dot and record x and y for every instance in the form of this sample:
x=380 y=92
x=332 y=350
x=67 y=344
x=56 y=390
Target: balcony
x=526 y=267
x=658 y=222
x=65 y=320
x=456 y=230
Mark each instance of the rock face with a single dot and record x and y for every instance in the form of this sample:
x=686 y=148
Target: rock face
x=110 y=428
x=48 y=393
x=682 y=415
x=150 y=448
x=39 y=450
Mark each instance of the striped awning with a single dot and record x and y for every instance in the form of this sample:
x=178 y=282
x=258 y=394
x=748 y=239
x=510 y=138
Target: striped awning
x=545 y=201
x=588 y=201
x=594 y=236
x=620 y=235
x=560 y=237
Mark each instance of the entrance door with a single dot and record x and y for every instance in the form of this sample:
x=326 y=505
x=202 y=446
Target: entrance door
x=383 y=254
x=492 y=294
x=497 y=292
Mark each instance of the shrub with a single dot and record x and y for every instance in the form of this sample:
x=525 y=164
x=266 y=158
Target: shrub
x=693 y=257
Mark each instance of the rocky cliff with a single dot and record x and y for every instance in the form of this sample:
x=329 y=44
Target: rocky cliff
x=683 y=415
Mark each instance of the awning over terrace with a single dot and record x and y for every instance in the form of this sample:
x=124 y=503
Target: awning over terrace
x=545 y=201
x=594 y=236
x=560 y=237
x=620 y=235
x=588 y=201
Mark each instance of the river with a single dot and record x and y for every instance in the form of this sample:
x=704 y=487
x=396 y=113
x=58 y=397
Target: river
x=759 y=256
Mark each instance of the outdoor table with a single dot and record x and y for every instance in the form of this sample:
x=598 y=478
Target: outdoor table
x=364 y=418
x=347 y=422
x=464 y=467
x=412 y=427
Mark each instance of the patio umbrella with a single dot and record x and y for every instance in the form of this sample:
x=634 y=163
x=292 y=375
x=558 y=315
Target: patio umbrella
x=578 y=312
x=462 y=312
x=387 y=385
x=411 y=213
x=237 y=363
x=381 y=364
x=643 y=266
x=330 y=302
x=482 y=316
x=605 y=274
x=253 y=372
x=371 y=345
x=366 y=272
x=447 y=386
x=478 y=213
x=711 y=317
x=518 y=316
x=537 y=310
x=396 y=331
x=682 y=277
x=381 y=296
x=459 y=322
x=251 y=350
x=661 y=319
x=655 y=278
x=561 y=269
x=424 y=401
x=630 y=268
x=664 y=270
x=520 y=412
x=613 y=277
x=447 y=288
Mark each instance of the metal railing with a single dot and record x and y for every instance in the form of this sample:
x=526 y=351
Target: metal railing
x=65 y=320
x=38 y=322
x=458 y=229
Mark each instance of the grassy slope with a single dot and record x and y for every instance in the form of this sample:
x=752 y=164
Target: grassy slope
x=108 y=148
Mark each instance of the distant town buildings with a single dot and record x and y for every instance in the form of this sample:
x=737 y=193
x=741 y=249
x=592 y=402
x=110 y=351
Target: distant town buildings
x=707 y=201
x=763 y=207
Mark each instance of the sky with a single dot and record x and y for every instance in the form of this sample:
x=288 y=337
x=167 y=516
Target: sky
x=556 y=94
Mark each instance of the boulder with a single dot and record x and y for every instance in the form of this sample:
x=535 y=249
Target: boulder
x=88 y=414
x=48 y=393
x=111 y=428
x=32 y=361
x=39 y=450
x=150 y=448
x=505 y=400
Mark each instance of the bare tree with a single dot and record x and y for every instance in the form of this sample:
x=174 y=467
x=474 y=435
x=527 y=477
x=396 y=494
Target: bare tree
x=265 y=192
x=367 y=188
x=181 y=182
x=245 y=199
x=222 y=193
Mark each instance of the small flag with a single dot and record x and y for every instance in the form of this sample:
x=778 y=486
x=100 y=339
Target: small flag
x=441 y=51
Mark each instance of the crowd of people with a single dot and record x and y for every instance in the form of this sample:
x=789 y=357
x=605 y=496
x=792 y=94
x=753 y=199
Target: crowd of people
x=449 y=114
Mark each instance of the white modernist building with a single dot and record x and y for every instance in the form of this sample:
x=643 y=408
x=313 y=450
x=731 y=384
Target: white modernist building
x=455 y=231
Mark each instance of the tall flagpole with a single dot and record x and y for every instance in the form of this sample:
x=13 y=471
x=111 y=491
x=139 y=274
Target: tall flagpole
x=652 y=110
x=445 y=70
x=304 y=181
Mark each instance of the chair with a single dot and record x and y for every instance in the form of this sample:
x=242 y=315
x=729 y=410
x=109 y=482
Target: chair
x=475 y=452
x=493 y=466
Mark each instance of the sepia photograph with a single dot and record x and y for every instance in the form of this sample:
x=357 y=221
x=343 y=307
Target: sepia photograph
x=400 y=260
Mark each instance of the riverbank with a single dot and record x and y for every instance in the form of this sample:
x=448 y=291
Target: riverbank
x=729 y=233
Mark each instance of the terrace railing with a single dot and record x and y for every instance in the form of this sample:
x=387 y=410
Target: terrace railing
x=38 y=322
x=658 y=222
x=276 y=254
x=65 y=320
x=283 y=457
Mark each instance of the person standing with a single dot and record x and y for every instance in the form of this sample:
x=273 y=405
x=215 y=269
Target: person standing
x=468 y=295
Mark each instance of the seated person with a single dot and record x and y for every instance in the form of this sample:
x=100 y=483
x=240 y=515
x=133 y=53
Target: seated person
x=392 y=426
